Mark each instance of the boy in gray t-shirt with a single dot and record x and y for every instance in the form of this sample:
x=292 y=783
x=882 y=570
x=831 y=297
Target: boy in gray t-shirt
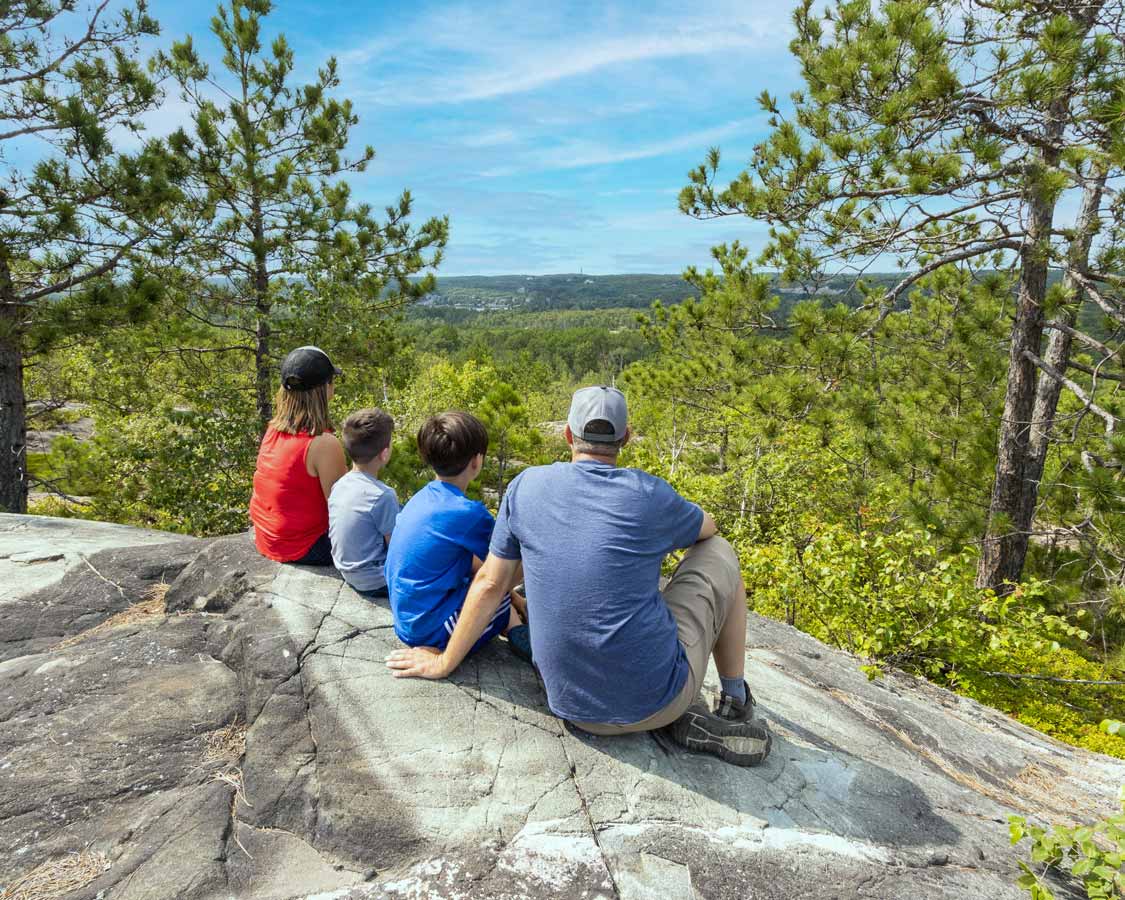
x=361 y=509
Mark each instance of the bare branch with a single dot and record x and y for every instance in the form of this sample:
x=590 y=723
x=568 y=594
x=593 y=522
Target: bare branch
x=1109 y=419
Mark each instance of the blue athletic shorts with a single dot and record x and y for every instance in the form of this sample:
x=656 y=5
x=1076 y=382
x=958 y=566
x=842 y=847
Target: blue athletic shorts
x=498 y=625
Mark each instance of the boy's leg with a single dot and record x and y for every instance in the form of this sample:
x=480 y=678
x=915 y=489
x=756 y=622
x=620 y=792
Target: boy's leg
x=497 y=626
x=519 y=602
x=319 y=554
x=519 y=607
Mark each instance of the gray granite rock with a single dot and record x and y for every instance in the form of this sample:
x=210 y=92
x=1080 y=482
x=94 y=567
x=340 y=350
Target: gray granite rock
x=353 y=784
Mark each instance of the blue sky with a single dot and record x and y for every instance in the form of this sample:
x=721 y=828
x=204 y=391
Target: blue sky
x=556 y=137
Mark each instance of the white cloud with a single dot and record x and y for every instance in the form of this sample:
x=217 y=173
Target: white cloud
x=579 y=154
x=491 y=138
x=461 y=54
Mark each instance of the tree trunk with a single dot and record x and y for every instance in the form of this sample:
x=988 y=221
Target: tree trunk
x=263 y=364
x=13 y=421
x=1057 y=353
x=501 y=466
x=1015 y=490
x=1005 y=542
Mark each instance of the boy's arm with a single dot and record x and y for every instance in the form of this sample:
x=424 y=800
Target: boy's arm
x=384 y=513
x=485 y=595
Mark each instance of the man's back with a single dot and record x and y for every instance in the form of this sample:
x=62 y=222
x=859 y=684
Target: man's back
x=592 y=537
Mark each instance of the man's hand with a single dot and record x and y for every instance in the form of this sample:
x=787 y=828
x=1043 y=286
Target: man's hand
x=417 y=662
x=485 y=594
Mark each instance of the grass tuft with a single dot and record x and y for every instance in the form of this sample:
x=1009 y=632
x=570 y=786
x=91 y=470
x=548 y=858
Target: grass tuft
x=151 y=607
x=57 y=877
x=227 y=745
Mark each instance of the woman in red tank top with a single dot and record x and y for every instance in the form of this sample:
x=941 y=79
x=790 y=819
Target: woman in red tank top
x=298 y=462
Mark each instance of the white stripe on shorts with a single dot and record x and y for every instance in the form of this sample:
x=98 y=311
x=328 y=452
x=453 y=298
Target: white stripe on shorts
x=505 y=606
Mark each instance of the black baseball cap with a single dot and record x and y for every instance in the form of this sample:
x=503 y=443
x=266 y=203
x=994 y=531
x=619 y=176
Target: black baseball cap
x=307 y=368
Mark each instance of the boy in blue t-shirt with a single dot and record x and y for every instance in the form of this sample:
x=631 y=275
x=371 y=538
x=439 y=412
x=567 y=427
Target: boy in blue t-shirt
x=440 y=540
x=361 y=509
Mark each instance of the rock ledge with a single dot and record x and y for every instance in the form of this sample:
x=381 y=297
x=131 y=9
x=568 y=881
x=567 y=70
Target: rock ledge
x=247 y=741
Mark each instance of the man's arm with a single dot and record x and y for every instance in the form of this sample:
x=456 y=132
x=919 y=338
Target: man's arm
x=485 y=595
x=708 y=528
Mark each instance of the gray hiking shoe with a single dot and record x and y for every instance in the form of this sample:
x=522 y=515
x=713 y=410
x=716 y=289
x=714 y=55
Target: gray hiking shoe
x=734 y=710
x=736 y=741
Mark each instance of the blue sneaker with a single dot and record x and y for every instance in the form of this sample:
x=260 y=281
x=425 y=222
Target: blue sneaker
x=519 y=640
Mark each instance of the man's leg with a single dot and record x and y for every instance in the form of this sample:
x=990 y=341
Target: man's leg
x=707 y=598
x=730 y=649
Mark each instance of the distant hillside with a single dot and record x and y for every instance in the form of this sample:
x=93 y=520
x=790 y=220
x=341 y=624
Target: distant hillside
x=491 y=293
x=466 y=298
x=566 y=291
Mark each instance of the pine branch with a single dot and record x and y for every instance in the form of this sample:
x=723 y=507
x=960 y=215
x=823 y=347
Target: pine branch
x=1082 y=337
x=56 y=63
x=1092 y=371
x=1055 y=680
x=1088 y=401
x=1107 y=306
x=108 y=266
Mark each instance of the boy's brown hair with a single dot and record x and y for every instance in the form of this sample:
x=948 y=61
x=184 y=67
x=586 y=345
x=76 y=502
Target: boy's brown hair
x=367 y=433
x=449 y=441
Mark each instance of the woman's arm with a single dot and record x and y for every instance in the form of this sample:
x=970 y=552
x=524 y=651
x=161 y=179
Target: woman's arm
x=325 y=460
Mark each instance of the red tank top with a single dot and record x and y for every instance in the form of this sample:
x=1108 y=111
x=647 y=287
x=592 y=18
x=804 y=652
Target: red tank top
x=287 y=507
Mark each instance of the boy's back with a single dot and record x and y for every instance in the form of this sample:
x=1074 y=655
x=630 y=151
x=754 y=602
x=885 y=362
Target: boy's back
x=361 y=513
x=430 y=561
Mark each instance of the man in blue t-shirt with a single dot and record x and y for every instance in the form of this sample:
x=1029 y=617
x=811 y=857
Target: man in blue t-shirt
x=441 y=538
x=616 y=654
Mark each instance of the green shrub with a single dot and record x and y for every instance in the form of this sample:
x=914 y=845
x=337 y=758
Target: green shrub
x=894 y=600
x=1092 y=855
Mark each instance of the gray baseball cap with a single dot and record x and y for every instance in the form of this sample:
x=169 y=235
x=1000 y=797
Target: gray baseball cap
x=602 y=402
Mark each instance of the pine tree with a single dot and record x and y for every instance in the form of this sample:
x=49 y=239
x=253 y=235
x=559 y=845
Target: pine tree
x=939 y=135
x=77 y=211
x=509 y=433
x=273 y=239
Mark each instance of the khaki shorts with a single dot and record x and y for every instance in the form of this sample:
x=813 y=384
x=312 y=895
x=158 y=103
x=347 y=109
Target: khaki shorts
x=699 y=596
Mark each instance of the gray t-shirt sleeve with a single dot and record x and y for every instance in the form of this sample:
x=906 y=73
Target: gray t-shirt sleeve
x=676 y=521
x=504 y=543
x=385 y=511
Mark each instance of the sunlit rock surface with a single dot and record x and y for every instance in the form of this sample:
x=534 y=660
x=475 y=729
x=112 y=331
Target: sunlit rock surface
x=237 y=735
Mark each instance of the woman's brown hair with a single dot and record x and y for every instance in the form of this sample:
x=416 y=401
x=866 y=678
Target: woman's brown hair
x=301 y=411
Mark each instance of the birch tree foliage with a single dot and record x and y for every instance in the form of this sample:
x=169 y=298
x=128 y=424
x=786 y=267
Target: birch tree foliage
x=933 y=135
